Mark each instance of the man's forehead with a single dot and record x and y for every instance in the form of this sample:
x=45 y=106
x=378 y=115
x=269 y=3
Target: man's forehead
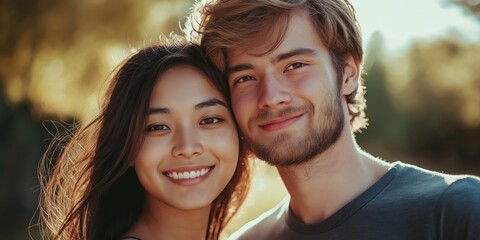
x=239 y=56
x=269 y=41
x=244 y=53
x=236 y=53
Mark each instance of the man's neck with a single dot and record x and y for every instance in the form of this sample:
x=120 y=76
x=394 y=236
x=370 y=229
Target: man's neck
x=322 y=186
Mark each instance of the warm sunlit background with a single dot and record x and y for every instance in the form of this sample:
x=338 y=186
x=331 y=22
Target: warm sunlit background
x=423 y=85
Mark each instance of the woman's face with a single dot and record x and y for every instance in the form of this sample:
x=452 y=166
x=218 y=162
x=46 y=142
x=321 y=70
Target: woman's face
x=191 y=143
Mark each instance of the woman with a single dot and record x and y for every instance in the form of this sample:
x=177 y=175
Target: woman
x=163 y=160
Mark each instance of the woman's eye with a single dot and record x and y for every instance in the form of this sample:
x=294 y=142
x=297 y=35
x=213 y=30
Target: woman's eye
x=211 y=120
x=158 y=127
x=295 y=66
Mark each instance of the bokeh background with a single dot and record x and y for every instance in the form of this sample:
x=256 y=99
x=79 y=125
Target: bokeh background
x=423 y=85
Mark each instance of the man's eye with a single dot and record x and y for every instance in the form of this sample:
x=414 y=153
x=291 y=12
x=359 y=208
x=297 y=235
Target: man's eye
x=211 y=120
x=244 y=79
x=157 y=127
x=295 y=65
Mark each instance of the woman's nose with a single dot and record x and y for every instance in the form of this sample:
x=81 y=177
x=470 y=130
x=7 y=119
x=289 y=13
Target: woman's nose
x=187 y=144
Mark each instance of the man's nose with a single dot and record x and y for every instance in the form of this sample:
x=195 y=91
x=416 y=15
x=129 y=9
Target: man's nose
x=272 y=92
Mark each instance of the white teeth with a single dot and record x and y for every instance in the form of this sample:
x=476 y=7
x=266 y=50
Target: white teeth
x=188 y=175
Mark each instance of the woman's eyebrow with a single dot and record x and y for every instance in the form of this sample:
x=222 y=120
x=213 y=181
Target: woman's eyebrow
x=158 y=110
x=210 y=102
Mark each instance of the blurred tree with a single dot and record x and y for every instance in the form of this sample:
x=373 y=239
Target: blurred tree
x=21 y=145
x=385 y=133
x=56 y=53
x=54 y=57
x=472 y=6
x=438 y=86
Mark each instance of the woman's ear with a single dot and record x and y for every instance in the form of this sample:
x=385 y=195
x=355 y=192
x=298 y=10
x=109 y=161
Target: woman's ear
x=350 y=76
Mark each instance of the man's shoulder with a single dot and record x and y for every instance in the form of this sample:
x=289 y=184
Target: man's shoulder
x=462 y=192
x=448 y=191
x=266 y=224
x=458 y=208
x=411 y=175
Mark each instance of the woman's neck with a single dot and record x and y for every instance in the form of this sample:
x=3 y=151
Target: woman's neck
x=161 y=221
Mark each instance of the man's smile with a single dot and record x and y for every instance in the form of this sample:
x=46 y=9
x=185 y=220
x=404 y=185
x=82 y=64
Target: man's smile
x=280 y=123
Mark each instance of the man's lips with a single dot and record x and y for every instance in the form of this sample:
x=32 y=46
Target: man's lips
x=279 y=123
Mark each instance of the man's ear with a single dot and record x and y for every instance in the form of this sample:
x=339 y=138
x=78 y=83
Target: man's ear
x=351 y=76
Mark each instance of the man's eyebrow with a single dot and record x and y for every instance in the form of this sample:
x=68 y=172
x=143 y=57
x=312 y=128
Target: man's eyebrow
x=239 y=68
x=283 y=56
x=210 y=102
x=294 y=52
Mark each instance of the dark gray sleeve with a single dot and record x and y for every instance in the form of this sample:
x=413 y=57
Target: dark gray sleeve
x=458 y=210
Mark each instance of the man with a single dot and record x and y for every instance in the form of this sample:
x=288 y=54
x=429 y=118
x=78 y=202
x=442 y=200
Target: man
x=294 y=72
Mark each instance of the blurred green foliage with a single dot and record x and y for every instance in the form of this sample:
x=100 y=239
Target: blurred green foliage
x=423 y=105
x=54 y=58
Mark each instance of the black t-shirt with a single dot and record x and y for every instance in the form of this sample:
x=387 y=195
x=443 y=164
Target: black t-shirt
x=406 y=203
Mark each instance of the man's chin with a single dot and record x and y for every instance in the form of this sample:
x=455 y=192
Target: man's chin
x=290 y=151
x=279 y=154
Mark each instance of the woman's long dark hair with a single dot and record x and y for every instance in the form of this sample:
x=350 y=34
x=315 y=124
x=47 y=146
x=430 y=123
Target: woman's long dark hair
x=91 y=192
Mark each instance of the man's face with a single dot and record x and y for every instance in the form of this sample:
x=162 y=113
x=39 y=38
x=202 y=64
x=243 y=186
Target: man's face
x=287 y=102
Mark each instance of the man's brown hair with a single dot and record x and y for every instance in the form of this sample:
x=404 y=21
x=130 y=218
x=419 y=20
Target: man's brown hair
x=220 y=25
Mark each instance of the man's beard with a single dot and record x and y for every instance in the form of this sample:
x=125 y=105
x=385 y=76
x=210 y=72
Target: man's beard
x=288 y=151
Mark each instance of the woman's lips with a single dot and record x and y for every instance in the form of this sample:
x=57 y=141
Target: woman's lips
x=187 y=176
